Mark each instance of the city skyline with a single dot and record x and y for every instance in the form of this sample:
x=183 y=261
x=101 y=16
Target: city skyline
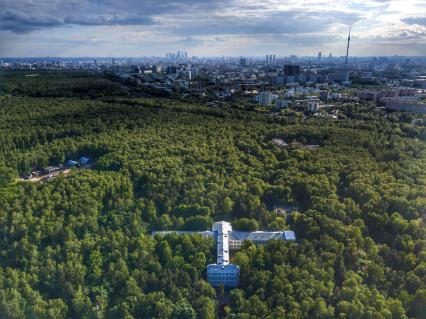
x=211 y=28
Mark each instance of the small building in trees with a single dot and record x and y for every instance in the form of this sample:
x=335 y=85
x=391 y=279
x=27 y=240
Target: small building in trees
x=71 y=163
x=51 y=169
x=84 y=160
x=280 y=143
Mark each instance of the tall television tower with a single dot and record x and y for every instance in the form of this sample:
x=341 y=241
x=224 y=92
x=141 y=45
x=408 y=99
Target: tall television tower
x=347 y=48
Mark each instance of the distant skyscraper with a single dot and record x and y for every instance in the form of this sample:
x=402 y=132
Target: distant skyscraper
x=274 y=58
x=291 y=73
x=291 y=70
x=267 y=58
x=243 y=61
x=265 y=98
x=319 y=55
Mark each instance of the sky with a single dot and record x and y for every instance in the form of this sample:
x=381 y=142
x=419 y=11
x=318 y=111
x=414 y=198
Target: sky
x=71 y=28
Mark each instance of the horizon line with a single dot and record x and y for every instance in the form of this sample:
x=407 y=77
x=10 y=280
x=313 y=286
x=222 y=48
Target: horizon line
x=211 y=57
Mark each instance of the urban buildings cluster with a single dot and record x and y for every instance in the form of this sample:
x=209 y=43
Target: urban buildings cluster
x=177 y=56
x=275 y=82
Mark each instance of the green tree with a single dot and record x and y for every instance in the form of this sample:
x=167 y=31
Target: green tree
x=183 y=310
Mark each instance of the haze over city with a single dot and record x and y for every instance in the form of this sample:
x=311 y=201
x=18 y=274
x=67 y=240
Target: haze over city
x=210 y=28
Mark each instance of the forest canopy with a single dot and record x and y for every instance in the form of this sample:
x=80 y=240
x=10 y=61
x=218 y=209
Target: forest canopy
x=80 y=246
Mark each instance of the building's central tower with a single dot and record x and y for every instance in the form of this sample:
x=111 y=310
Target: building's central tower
x=223 y=273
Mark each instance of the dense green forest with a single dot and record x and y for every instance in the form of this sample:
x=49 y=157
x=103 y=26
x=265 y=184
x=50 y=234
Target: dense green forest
x=52 y=83
x=80 y=246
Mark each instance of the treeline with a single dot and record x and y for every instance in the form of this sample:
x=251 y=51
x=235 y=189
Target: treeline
x=54 y=83
x=80 y=246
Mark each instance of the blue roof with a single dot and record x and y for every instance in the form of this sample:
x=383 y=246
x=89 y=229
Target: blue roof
x=289 y=235
x=71 y=163
x=262 y=235
x=239 y=235
x=206 y=233
x=220 y=268
x=84 y=159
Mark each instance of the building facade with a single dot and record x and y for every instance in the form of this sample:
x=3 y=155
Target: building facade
x=265 y=98
x=226 y=275
x=406 y=104
x=313 y=105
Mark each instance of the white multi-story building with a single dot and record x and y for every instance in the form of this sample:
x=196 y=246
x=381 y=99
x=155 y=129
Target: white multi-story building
x=223 y=272
x=313 y=105
x=265 y=98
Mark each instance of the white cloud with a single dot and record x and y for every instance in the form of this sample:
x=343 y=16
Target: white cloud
x=135 y=27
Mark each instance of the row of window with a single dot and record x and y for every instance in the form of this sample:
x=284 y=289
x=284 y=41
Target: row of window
x=223 y=274
x=223 y=281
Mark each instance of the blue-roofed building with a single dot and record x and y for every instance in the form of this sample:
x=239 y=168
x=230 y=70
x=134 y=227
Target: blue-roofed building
x=237 y=238
x=289 y=235
x=226 y=275
x=223 y=272
x=72 y=163
x=84 y=160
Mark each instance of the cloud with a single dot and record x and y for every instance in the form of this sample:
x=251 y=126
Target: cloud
x=25 y=15
x=19 y=22
x=281 y=22
x=114 y=19
x=219 y=39
x=220 y=16
x=416 y=20
x=136 y=27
